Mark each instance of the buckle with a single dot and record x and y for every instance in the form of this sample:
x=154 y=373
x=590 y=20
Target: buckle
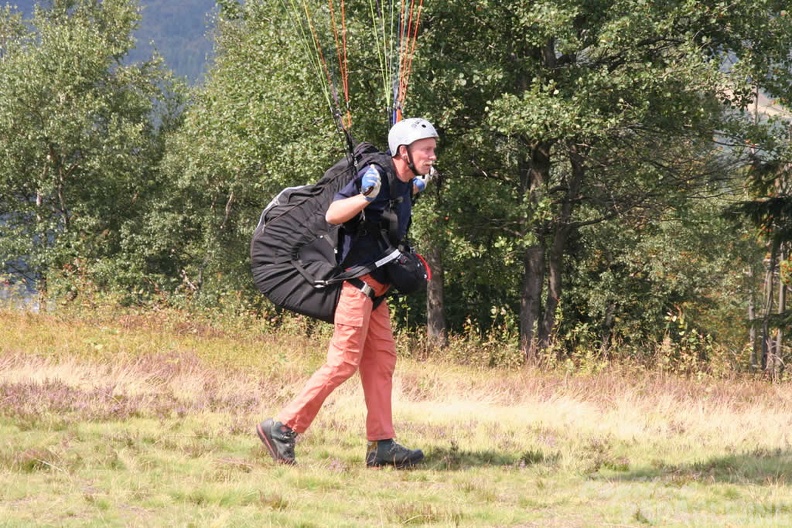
x=368 y=290
x=362 y=286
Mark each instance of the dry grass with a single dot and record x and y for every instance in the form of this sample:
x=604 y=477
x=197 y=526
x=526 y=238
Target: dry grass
x=147 y=419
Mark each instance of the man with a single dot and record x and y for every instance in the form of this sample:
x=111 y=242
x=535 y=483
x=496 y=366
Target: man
x=362 y=338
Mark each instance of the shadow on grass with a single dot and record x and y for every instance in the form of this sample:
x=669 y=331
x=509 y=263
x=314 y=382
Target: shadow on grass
x=454 y=459
x=761 y=466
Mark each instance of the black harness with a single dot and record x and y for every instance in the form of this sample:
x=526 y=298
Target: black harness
x=383 y=232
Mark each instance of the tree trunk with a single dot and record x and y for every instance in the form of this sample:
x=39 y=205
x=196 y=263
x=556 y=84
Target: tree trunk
x=752 y=332
x=531 y=302
x=775 y=362
x=769 y=287
x=607 y=330
x=436 y=328
x=534 y=175
x=555 y=261
x=751 y=273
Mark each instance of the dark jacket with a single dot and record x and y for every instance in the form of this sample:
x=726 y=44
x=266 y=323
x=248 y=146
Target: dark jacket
x=382 y=223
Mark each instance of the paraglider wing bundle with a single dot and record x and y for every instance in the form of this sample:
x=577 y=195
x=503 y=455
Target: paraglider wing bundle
x=293 y=255
x=293 y=251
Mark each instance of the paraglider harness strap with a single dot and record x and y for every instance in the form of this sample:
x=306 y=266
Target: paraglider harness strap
x=368 y=290
x=362 y=286
x=391 y=255
x=388 y=229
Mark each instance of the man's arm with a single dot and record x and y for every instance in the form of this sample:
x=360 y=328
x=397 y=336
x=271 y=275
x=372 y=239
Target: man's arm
x=346 y=209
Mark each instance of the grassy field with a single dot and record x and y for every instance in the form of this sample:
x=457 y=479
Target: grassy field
x=148 y=420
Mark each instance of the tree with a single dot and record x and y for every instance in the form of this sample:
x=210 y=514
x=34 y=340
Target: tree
x=256 y=125
x=548 y=100
x=770 y=212
x=263 y=120
x=80 y=139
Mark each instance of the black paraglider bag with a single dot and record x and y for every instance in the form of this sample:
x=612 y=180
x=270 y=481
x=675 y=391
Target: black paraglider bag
x=293 y=251
x=293 y=257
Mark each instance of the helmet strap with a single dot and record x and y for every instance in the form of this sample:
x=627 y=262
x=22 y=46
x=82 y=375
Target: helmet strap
x=410 y=163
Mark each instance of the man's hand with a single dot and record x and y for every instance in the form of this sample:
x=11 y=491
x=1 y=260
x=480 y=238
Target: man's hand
x=370 y=184
x=419 y=182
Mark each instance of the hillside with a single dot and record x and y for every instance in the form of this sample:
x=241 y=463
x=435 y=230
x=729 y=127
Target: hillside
x=177 y=28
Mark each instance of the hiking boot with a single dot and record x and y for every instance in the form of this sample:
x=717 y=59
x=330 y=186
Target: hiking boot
x=388 y=452
x=278 y=439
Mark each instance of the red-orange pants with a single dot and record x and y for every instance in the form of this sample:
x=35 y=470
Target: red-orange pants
x=362 y=340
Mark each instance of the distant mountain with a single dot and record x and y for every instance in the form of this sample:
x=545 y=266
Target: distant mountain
x=178 y=29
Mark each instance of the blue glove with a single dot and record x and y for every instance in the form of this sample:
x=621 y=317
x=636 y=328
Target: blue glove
x=370 y=184
x=419 y=182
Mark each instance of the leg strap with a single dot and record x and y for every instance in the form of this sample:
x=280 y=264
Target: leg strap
x=362 y=286
x=368 y=290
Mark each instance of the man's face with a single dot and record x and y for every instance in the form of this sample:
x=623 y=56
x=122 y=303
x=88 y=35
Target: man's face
x=423 y=154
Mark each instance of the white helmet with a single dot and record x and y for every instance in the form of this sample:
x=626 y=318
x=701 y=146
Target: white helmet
x=408 y=131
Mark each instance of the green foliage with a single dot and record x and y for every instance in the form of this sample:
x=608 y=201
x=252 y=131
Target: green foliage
x=79 y=156
x=628 y=281
x=581 y=130
x=631 y=92
x=248 y=132
x=768 y=209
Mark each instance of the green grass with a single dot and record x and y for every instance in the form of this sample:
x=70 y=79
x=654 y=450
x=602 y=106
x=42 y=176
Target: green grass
x=148 y=420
